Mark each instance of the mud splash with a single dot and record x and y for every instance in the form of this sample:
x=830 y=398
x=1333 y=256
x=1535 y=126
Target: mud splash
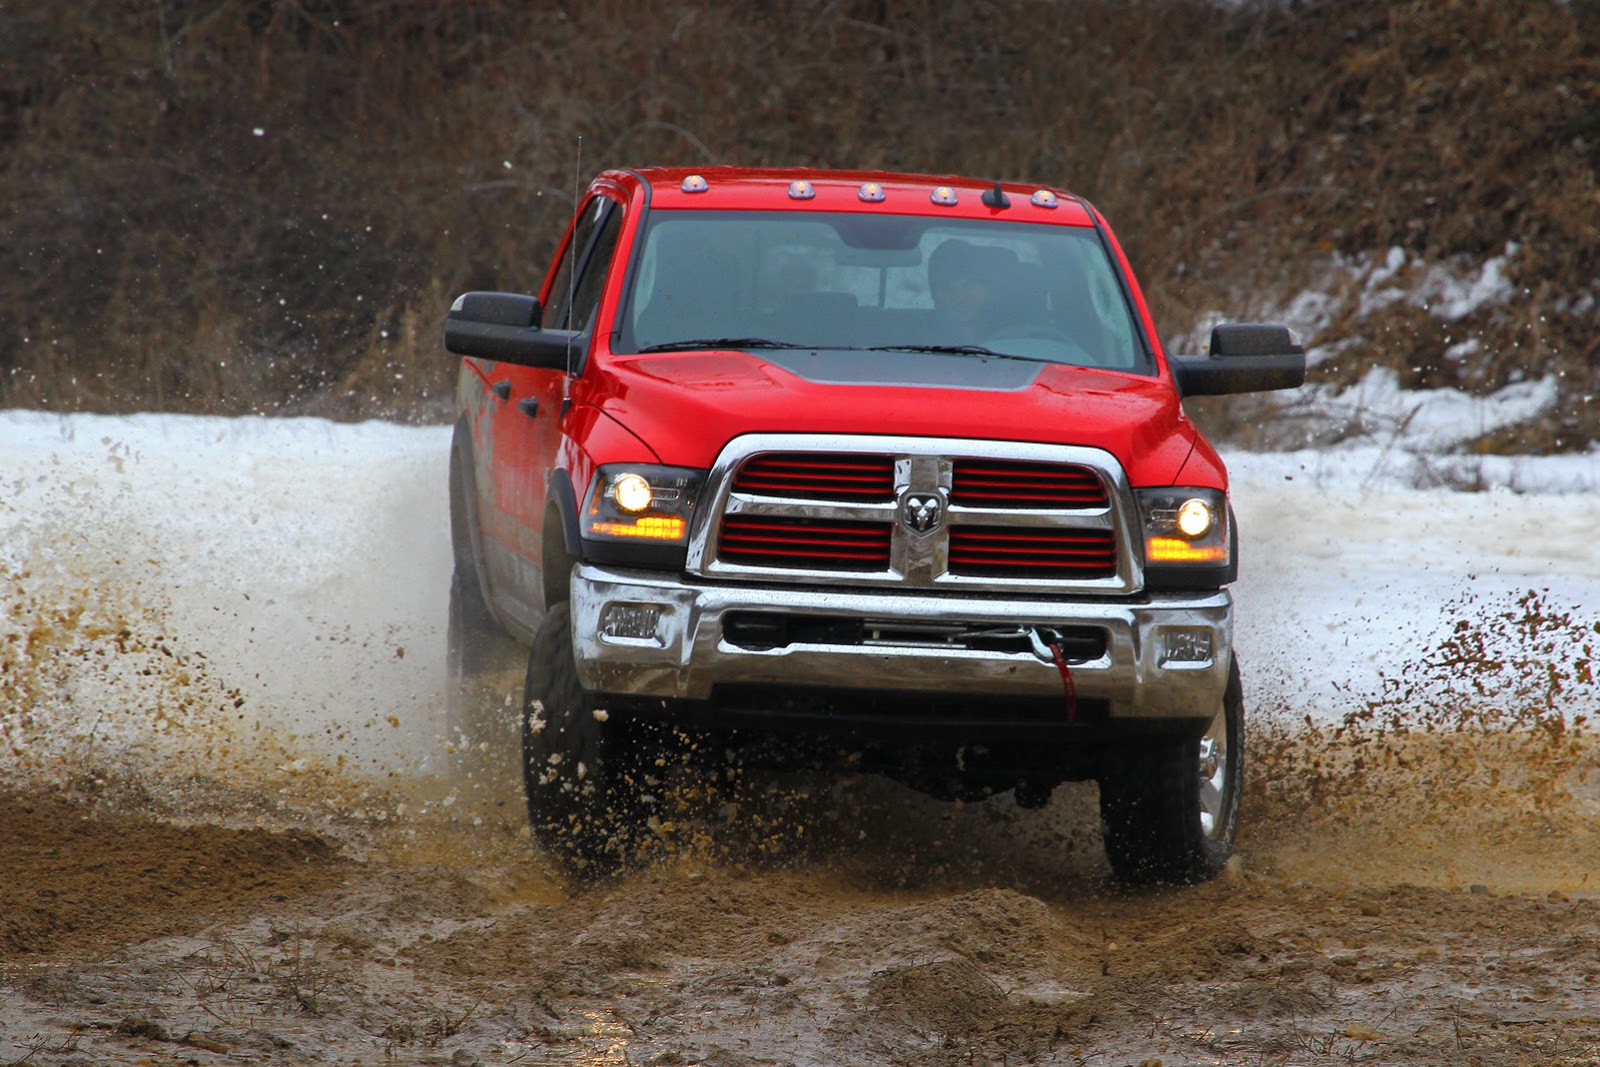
x=199 y=878
x=194 y=575
x=104 y=701
x=444 y=941
x=1476 y=763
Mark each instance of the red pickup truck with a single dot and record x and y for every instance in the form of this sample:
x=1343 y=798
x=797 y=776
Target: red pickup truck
x=875 y=465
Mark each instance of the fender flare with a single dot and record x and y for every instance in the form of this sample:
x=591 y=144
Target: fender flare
x=564 y=499
x=1233 y=546
x=561 y=510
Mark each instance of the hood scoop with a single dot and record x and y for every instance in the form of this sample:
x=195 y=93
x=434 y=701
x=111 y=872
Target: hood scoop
x=933 y=370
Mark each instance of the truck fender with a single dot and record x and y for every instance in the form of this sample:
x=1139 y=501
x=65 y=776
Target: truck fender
x=563 y=544
x=1233 y=546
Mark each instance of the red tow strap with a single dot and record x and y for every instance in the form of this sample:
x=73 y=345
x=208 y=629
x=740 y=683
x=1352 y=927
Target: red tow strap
x=1066 y=681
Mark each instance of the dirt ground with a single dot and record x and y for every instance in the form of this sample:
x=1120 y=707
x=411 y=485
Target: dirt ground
x=1431 y=907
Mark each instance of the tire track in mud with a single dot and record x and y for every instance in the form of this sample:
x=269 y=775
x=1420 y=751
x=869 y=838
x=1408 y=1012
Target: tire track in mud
x=808 y=921
x=78 y=879
x=436 y=936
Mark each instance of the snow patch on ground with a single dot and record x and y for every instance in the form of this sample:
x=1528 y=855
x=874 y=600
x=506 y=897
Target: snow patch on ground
x=1360 y=286
x=1447 y=291
x=1349 y=572
x=1379 y=409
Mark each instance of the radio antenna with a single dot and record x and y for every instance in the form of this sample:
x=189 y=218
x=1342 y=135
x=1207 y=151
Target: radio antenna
x=572 y=275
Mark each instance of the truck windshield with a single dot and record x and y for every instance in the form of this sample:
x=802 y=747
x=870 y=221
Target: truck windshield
x=814 y=280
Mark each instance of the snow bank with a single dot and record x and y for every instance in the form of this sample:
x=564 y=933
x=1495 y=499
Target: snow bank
x=1432 y=421
x=1351 y=290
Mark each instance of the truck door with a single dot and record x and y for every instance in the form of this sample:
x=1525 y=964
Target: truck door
x=527 y=407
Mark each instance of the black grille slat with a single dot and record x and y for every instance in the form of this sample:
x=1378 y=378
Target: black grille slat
x=818 y=476
x=996 y=483
x=767 y=541
x=1027 y=552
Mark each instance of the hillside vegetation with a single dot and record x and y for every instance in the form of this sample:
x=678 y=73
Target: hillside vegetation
x=265 y=205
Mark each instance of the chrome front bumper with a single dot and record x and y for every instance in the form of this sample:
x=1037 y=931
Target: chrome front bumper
x=646 y=634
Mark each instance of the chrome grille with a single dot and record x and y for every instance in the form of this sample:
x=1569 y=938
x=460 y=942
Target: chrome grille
x=854 y=511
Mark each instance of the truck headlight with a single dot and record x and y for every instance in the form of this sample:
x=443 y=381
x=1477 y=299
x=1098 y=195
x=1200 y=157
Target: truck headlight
x=1195 y=518
x=1184 y=527
x=642 y=503
x=632 y=492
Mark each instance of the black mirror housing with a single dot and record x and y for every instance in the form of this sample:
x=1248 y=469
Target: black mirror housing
x=505 y=327
x=1244 y=357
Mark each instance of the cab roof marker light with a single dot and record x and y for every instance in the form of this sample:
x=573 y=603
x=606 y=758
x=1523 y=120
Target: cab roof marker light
x=801 y=190
x=944 y=196
x=694 y=183
x=1044 y=198
x=871 y=193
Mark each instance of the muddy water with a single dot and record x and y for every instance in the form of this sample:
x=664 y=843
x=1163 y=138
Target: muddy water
x=1403 y=894
x=151 y=922
x=226 y=836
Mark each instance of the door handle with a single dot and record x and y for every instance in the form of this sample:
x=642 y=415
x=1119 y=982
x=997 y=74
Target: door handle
x=502 y=389
x=529 y=406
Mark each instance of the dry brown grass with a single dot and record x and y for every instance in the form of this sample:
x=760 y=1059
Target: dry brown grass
x=156 y=252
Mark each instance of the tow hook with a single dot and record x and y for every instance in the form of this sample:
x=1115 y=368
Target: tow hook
x=1047 y=645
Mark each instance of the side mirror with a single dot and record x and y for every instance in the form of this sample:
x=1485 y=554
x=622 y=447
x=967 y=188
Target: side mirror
x=505 y=327
x=1246 y=357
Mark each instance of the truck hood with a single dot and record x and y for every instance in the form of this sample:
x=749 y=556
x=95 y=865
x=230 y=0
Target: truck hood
x=687 y=406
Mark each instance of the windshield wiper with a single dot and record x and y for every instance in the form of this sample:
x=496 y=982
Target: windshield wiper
x=959 y=350
x=719 y=342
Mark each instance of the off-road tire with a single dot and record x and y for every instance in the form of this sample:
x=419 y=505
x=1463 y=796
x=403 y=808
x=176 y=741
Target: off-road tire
x=1150 y=803
x=584 y=772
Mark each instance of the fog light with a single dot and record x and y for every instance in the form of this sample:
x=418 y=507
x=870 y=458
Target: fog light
x=631 y=622
x=1186 y=646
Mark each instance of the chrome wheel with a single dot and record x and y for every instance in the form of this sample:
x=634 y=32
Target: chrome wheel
x=1213 y=775
x=1170 y=810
